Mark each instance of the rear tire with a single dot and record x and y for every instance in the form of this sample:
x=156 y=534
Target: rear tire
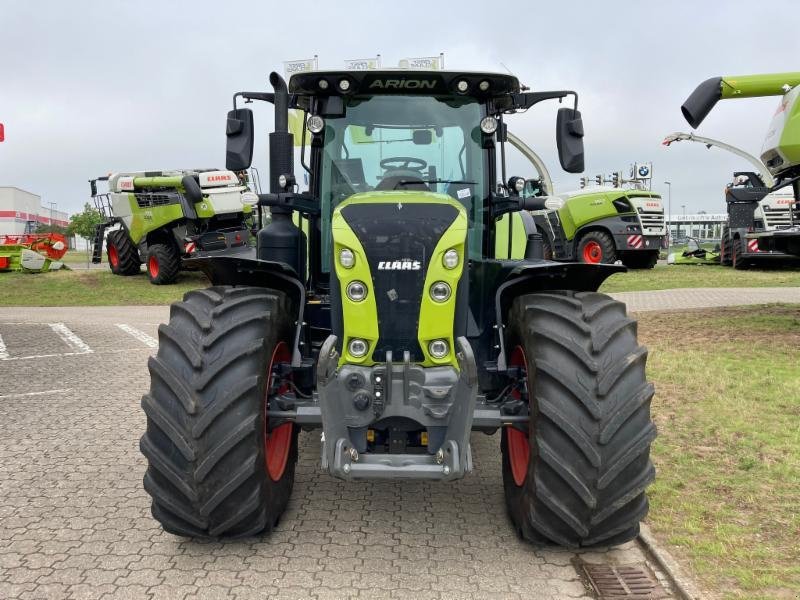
x=577 y=475
x=163 y=264
x=641 y=260
x=216 y=465
x=596 y=247
x=123 y=257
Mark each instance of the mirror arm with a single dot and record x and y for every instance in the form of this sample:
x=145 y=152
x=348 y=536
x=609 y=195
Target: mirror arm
x=303 y=202
x=524 y=101
x=250 y=96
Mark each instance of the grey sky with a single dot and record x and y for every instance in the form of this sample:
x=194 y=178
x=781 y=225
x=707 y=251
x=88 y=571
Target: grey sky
x=92 y=87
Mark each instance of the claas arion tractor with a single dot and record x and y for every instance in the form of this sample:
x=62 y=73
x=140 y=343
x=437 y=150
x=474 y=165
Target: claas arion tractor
x=381 y=311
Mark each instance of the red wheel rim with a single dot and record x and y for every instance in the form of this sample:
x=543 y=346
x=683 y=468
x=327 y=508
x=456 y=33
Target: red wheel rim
x=152 y=266
x=113 y=256
x=592 y=252
x=278 y=441
x=519 y=449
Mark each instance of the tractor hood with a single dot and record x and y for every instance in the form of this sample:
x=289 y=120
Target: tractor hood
x=398 y=240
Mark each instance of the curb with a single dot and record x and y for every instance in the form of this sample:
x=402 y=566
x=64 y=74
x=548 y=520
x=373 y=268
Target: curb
x=681 y=584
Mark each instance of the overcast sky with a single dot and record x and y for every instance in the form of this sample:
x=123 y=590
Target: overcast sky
x=92 y=87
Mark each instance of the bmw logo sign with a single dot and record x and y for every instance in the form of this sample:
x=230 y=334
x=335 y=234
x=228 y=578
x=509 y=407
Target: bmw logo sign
x=644 y=171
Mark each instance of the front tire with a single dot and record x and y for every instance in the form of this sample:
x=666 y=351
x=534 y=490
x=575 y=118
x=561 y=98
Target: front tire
x=597 y=247
x=163 y=264
x=576 y=474
x=123 y=257
x=217 y=466
x=739 y=262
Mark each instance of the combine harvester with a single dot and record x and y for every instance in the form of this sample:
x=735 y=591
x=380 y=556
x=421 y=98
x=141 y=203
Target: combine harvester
x=780 y=152
x=159 y=217
x=749 y=211
x=32 y=252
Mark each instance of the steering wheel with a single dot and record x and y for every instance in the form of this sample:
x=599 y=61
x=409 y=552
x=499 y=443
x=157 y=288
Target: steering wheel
x=403 y=162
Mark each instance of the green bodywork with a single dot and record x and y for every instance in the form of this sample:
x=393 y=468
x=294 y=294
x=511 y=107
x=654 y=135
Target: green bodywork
x=519 y=237
x=143 y=220
x=11 y=259
x=588 y=207
x=435 y=318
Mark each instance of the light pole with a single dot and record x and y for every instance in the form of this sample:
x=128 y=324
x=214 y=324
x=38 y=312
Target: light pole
x=669 y=214
x=52 y=206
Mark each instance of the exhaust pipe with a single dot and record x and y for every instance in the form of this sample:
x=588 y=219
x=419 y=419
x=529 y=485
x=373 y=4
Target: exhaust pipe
x=281 y=142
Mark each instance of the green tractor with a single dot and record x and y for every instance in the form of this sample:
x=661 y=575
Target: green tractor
x=780 y=152
x=397 y=325
x=604 y=225
x=160 y=217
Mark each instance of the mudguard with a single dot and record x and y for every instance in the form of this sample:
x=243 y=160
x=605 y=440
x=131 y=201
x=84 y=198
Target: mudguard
x=249 y=270
x=531 y=276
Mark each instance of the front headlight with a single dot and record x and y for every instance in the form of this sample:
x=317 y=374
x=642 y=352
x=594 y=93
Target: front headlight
x=440 y=291
x=357 y=347
x=438 y=348
x=450 y=259
x=356 y=291
x=346 y=258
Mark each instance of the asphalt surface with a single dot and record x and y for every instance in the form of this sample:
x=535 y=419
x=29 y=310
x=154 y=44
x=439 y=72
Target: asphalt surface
x=75 y=521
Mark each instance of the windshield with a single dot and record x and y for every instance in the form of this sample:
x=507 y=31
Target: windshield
x=409 y=143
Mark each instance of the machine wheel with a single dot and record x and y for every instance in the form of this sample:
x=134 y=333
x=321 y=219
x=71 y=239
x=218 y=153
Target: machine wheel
x=216 y=465
x=576 y=474
x=163 y=264
x=641 y=260
x=597 y=247
x=123 y=257
x=725 y=250
x=738 y=261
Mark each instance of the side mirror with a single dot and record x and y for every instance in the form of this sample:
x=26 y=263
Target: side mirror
x=569 y=139
x=422 y=137
x=239 y=133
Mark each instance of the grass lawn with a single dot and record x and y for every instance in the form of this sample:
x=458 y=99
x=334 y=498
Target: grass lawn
x=91 y=288
x=78 y=257
x=664 y=277
x=727 y=493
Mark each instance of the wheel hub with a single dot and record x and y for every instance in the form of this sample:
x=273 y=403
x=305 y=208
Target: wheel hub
x=152 y=266
x=277 y=440
x=519 y=450
x=592 y=252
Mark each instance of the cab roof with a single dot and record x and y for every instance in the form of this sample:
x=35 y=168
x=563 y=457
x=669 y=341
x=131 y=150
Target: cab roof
x=401 y=81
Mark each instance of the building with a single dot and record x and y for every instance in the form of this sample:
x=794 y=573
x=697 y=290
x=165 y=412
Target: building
x=22 y=212
x=701 y=226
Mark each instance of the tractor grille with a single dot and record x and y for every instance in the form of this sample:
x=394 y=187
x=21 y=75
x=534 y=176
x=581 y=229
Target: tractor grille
x=780 y=218
x=150 y=200
x=652 y=221
x=398 y=236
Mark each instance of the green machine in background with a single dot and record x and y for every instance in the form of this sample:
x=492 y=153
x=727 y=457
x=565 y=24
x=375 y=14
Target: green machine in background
x=780 y=152
x=603 y=225
x=159 y=217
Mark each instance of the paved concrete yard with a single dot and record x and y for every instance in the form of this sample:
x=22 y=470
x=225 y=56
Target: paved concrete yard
x=75 y=521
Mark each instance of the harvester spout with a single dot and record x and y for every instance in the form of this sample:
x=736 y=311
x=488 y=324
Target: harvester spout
x=707 y=94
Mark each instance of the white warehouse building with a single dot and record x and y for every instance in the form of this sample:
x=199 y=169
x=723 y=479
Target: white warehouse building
x=700 y=225
x=22 y=212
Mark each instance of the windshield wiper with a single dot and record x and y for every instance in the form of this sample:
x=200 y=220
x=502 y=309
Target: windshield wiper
x=416 y=181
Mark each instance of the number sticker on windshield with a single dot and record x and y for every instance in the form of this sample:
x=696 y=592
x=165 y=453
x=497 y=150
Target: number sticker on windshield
x=463 y=193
